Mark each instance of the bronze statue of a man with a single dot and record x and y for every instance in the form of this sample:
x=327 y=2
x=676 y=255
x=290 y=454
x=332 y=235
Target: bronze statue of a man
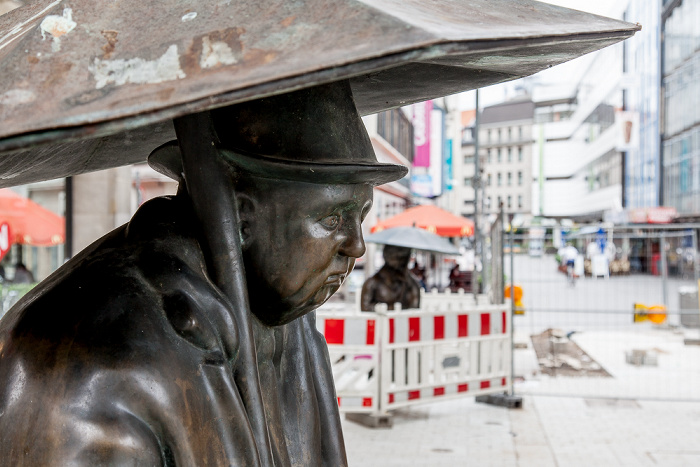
x=137 y=352
x=393 y=283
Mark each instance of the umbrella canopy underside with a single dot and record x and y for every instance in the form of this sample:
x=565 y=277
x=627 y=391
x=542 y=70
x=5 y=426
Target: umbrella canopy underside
x=414 y=238
x=90 y=85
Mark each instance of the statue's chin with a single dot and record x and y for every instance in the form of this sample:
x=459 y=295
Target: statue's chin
x=287 y=310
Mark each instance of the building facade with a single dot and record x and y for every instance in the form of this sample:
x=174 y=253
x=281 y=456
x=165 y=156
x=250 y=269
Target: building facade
x=681 y=107
x=505 y=138
x=578 y=164
x=639 y=118
x=465 y=168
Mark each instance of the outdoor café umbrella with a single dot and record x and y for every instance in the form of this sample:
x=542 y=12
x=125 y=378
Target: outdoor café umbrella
x=431 y=218
x=87 y=85
x=30 y=224
x=414 y=238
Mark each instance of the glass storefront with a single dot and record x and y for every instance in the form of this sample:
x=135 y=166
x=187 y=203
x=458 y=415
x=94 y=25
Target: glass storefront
x=681 y=71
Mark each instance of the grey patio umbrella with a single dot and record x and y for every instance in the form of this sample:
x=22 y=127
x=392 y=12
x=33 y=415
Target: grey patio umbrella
x=87 y=85
x=415 y=238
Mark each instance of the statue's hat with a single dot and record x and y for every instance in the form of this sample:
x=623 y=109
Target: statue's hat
x=311 y=135
x=88 y=85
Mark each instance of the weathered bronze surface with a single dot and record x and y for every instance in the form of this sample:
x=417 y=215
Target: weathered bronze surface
x=393 y=283
x=187 y=336
x=86 y=85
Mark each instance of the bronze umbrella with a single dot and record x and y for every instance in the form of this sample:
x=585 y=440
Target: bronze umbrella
x=89 y=85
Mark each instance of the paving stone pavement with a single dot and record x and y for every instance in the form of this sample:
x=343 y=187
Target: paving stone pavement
x=564 y=420
x=547 y=431
x=641 y=416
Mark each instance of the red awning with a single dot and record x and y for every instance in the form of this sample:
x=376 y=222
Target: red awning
x=30 y=224
x=432 y=219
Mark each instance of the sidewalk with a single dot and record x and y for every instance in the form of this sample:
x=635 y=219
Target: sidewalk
x=556 y=430
x=547 y=431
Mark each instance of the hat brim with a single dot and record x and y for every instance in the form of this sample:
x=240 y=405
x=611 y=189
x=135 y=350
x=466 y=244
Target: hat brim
x=166 y=160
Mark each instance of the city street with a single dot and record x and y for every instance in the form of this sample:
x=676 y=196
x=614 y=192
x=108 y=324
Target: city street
x=640 y=416
x=592 y=303
x=547 y=431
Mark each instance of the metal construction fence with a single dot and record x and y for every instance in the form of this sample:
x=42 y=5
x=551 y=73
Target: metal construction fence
x=622 y=327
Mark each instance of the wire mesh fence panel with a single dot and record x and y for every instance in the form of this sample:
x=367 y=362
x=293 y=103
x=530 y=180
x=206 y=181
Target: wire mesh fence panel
x=608 y=312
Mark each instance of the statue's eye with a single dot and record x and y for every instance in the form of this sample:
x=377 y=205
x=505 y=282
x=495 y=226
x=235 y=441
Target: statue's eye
x=331 y=222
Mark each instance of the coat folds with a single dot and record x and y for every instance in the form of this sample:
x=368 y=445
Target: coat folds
x=124 y=357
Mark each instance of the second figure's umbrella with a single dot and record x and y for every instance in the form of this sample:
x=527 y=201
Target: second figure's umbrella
x=415 y=238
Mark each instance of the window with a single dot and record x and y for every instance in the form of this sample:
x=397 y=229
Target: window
x=520 y=201
x=510 y=134
x=498 y=157
x=500 y=202
x=520 y=178
x=488 y=136
x=499 y=135
x=510 y=155
x=488 y=180
x=510 y=179
x=520 y=133
x=498 y=179
x=469 y=159
x=467 y=181
x=488 y=155
x=488 y=203
x=520 y=153
x=467 y=135
x=509 y=201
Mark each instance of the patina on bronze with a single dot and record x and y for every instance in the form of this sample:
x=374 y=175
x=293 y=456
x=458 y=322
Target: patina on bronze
x=393 y=283
x=143 y=349
x=186 y=337
x=85 y=86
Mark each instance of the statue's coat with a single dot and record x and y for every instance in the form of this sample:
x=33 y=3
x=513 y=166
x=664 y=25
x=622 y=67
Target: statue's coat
x=124 y=356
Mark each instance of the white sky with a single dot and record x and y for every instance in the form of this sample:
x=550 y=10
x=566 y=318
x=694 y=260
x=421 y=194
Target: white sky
x=556 y=77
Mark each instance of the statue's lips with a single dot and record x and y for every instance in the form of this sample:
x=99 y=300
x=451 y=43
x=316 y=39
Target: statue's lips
x=335 y=279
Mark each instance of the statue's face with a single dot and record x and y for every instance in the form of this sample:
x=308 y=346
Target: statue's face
x=300 y=242
x=397 y=257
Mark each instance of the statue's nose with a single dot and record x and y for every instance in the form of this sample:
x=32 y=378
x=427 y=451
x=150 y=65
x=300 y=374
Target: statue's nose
x=354 y=244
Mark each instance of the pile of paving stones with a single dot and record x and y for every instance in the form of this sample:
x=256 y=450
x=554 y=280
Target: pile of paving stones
x=557 y=354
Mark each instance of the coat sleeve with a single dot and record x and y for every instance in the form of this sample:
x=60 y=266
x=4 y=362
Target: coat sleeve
x=63 y=427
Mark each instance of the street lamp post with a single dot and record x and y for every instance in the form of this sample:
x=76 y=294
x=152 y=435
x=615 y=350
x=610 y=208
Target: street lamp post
x=477 y=185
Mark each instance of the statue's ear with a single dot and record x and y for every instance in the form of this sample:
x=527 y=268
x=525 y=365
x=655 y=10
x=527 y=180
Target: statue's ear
x=246 y=214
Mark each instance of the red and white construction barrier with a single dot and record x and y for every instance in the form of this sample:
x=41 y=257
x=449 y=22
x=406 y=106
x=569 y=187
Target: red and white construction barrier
x=453 y=346
x=353 y=344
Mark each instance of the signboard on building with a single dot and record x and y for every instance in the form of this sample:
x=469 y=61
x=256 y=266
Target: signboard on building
x=421 y=133
x=428 y=128
x=627 y=130
x=657 y=215
x=437 y=128
x=449 y=173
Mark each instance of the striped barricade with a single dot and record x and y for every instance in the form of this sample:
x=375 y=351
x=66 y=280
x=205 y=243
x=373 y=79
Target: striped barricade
x=454 y=346
x=430 y=356
x=353 y=345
